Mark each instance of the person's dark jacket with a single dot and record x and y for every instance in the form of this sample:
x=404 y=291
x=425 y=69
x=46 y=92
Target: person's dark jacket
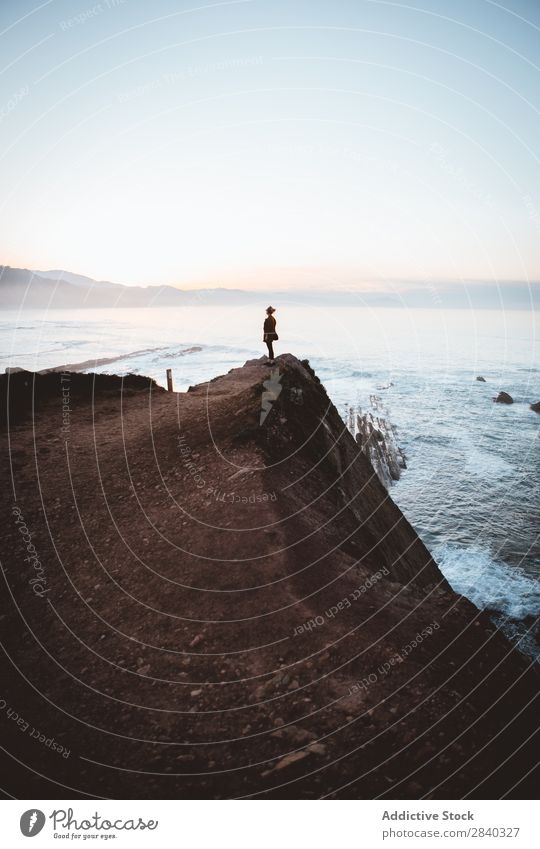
x=269 y=329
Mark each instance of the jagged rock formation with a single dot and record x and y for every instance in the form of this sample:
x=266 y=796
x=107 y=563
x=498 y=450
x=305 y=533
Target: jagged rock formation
x=201 y=605
x=377 y=438
x=504 y=398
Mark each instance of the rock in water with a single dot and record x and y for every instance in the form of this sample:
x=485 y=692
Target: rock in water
x=481 y=379
x=504 y=398
x=536 y=407
x=377 y=439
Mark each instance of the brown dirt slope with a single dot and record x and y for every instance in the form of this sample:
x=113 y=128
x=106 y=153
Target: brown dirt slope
x=200 y=605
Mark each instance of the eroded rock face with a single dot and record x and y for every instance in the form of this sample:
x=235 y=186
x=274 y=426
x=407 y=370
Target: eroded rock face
x=311 y=441
x=504 y=398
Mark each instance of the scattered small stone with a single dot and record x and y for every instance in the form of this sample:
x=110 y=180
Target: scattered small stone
x=195 y=641
x=290 y=759
x=415 y=789
x=317 y=748
x=196 y=692
x=300 y=735
x=144 y=670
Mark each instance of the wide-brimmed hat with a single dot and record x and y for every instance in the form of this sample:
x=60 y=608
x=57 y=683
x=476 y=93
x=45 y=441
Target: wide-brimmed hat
x=270 y=309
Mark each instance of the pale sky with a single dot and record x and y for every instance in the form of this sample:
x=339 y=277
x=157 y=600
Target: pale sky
x=308 y=143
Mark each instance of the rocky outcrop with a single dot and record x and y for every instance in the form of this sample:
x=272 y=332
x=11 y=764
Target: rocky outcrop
x=233 y=608
x=503 y=398
x=481 y=379
x=536 y=407
x=376 y=437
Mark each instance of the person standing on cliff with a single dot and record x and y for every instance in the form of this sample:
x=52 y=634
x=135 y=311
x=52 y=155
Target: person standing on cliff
x=269 y=333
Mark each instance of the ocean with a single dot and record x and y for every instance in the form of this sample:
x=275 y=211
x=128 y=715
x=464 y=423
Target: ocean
x=472 y=484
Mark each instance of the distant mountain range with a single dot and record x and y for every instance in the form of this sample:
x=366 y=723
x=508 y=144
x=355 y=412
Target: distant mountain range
x=21 y=288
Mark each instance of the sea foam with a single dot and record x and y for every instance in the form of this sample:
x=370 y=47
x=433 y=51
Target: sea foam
x=488 y=583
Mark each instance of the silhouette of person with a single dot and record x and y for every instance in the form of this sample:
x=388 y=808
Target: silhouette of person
x=269 y=333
